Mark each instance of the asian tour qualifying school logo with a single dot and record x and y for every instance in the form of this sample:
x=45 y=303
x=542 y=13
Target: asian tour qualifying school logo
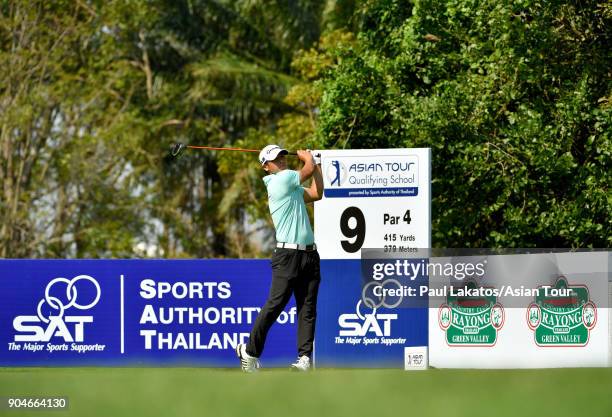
x=562 y=315
x=470 y=320
x=336 y=173
x=58 y=318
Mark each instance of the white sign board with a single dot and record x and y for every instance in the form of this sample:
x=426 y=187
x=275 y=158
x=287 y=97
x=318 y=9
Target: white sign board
x=373 y=198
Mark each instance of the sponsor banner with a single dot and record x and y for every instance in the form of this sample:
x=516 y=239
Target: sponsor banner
x=126 y=312
x=525 y=311
x=358 y=328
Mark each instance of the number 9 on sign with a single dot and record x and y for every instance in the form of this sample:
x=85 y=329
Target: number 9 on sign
x=358 y=231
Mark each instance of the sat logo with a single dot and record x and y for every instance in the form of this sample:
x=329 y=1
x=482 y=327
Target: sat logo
x=45 y=325
x=360 y=325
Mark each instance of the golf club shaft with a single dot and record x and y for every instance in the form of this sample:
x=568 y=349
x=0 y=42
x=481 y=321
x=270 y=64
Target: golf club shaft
x=211 y=148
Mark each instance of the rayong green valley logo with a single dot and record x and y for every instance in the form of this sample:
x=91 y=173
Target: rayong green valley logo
x=471 y=320
x=562 y=315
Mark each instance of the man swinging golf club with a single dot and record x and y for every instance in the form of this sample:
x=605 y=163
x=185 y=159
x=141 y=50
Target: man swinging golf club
x=295 y=262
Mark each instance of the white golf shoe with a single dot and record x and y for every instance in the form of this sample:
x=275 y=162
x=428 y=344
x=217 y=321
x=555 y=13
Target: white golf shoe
x=302 y=364
x=248 y=363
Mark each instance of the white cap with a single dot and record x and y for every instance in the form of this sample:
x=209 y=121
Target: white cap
x=270 y=153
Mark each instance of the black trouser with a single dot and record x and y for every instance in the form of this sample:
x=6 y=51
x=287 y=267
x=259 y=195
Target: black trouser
x=293 y=272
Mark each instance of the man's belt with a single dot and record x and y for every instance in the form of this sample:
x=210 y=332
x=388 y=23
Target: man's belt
x=296 y=246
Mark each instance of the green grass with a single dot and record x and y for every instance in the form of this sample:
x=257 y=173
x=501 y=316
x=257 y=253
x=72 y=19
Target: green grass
x=374 y=393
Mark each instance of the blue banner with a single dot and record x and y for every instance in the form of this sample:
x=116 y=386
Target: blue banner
x=185 y=312
x=126 y=312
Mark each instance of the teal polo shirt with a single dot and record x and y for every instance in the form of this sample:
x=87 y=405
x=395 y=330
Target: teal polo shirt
x=287 y=207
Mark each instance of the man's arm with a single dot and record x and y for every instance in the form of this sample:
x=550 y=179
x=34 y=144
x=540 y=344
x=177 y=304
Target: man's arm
x=309 y=165
x=315 y=191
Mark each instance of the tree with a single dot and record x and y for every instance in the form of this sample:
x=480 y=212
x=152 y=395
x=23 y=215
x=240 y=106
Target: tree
x=66 y=178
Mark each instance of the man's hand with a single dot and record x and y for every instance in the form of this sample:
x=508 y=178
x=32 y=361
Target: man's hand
x=304 y=156
x=309 y=166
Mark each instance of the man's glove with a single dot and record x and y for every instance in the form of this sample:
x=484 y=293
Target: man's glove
x=316 y=156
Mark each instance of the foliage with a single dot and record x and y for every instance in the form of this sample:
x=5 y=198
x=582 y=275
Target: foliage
x=513 y=97
x=67 y=179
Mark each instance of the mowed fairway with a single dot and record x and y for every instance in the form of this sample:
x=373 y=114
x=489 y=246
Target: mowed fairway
x=210 y=392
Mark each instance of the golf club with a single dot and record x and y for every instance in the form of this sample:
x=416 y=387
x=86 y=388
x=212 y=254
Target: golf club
x=177 y=148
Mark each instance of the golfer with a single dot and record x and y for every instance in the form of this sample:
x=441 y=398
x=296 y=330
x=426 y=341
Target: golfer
x=295 y=262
